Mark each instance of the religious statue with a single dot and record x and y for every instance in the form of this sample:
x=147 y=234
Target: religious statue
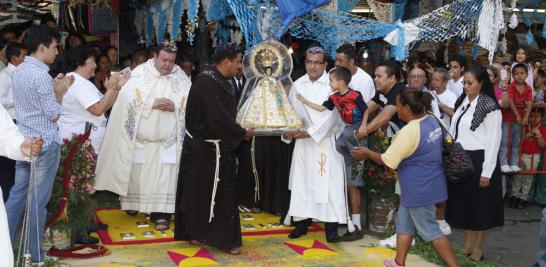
x=265 y=104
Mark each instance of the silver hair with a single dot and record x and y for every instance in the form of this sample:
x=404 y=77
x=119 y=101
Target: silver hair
x=444 y=72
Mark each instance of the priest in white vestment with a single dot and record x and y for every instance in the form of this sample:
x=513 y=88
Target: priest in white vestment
x=140 y=155
x=317 y=181
x=14 y=146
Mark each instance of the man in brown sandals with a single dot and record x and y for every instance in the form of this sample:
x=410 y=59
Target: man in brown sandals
x=206 y=199
x=139 y=157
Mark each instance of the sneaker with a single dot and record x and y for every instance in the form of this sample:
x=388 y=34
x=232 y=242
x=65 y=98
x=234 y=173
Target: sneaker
x=356 y=235
x=515 y=168
x=506 y=169
x=444 y=226
x=391 y=242
x=391 y=263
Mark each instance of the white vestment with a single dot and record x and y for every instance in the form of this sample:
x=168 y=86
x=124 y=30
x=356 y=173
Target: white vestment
x=316 y=174
x=10 y=146
x=140 y=154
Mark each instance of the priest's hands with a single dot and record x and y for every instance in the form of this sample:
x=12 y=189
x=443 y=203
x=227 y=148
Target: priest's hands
x=299 y=134
x=163 y=104
x=251 y=132
x=360 y=153
x=32 y=147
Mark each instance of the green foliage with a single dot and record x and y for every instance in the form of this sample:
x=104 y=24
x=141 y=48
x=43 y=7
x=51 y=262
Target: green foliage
x=380 y=180
x=81 y=182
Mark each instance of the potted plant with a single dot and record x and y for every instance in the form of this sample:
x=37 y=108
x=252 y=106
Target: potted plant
x=380 y=182
x=71 y=206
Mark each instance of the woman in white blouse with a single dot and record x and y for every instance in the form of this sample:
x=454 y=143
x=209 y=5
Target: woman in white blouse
x=83 y=102
x=476 y=205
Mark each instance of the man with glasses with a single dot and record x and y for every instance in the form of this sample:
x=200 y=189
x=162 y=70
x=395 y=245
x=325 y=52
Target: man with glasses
x=417 y=79
x=316 y=174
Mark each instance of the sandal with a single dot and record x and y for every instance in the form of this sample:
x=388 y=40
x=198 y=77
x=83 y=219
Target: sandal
x=196 y=243
x=232 y=251
x=131 y=212
x=161 y=224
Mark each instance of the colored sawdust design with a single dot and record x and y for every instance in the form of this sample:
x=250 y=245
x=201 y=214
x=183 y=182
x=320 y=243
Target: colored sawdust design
x=311 y=249
x=269 y=250
x=192 y=257
x=132 y=230
x=379 y=253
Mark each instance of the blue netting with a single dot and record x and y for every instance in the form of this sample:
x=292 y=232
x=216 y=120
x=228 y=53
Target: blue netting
x=449 y=21
x=346 y=5
x=332 y=30
x=192 y=19
x=245 y=13
x=398 y=7
x=177 y=19
x=544 y=27
x=219 y=10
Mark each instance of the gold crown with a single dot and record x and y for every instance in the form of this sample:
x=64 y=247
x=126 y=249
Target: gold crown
x=267 y=58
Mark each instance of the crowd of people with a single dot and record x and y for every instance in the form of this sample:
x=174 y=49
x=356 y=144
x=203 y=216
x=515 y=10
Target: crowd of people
x=168 y=143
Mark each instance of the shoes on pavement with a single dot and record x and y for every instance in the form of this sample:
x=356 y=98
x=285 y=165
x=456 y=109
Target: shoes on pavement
x=515 y=168
x=391 y=263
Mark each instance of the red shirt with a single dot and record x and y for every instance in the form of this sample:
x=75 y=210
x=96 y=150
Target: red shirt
x=530 y=145
x=520 y=99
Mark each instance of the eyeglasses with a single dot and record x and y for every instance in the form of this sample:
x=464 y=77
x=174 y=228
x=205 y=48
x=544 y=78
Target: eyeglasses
x=309 y=62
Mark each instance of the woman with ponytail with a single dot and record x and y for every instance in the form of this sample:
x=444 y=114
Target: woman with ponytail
x=416 y=153
x=476 y=205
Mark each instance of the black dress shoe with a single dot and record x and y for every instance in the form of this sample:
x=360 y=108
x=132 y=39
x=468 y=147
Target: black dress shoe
x=98 y=226
x=87 y=240
x=298 y=232
x=513 y=203
x=333 y=239
x=521 y=204
x=356 y=235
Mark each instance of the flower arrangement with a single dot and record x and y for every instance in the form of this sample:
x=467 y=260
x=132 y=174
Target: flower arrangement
x=380 y=180
x=77 y=210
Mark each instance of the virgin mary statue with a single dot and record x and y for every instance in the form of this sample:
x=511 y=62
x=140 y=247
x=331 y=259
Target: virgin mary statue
x=265 y=104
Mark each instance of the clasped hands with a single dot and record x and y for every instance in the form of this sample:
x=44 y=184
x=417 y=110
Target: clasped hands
x=116 y=81
x=163 y=104
x=298 y=134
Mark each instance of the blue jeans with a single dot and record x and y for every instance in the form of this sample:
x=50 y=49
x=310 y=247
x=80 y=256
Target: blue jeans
x=46 y=165
x=515 y=134
x=542 y=254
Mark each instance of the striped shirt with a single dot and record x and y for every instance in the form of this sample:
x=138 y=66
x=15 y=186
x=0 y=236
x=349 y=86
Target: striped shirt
x=35 y=103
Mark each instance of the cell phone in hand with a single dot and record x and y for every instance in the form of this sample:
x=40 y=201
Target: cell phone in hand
x=503 y=74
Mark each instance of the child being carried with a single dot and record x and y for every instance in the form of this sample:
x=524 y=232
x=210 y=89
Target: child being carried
x=351 y=107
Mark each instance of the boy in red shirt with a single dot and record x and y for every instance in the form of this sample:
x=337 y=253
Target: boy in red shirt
x=521 y=100
x=533 y=145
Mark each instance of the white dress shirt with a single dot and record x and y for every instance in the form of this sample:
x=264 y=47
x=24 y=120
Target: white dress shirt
x=447 y=98
x=486 y=137
x=456 y=87
x=6 y=92
x=363 y=83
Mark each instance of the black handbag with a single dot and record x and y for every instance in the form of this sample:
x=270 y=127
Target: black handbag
x=458 y=166
x=103 y=19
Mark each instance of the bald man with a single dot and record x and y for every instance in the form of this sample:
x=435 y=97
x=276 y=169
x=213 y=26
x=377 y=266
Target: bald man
x=416 y=81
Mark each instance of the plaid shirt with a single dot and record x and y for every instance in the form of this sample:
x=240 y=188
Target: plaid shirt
x=35 y=103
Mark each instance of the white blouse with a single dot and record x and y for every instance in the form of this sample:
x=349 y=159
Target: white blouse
x=486 y=137
x=10 y=137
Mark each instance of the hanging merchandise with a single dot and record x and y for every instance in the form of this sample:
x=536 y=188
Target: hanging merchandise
x=191 y=25
x=490 y=24
x=103 y=18
x=176 y=19
x=529 y=38
x=245 y=13
x=544 y=26
x=346 y=5
x=382 y=11
x=514 y=18
x=398 y=7
x=427 y=6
